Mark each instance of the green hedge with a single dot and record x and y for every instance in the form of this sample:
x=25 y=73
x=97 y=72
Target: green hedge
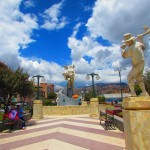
x=1 y=116
x=48 y=102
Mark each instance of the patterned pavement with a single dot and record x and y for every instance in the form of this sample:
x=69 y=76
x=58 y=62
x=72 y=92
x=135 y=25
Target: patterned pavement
x=63 y=133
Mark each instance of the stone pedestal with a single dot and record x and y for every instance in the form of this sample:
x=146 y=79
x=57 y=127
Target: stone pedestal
x=37 y=109
x=84 y=103
x=94 y=103
x=136 y=116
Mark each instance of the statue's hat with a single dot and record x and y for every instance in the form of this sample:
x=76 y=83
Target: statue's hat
x=128 y=37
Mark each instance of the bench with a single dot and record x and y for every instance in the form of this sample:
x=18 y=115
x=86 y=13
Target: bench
x=108 y=120
x=9 y=124
x=6 y=124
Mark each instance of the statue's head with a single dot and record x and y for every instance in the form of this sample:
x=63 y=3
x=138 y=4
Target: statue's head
x=128 y=39
x=69 y=68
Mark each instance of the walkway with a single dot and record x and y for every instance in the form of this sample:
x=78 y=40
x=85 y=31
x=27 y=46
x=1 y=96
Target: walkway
x=63 y=133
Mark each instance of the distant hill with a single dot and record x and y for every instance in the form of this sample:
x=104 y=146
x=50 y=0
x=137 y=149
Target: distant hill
x=105 y=88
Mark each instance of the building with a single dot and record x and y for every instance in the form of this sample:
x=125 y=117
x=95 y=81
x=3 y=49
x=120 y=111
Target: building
x=115 y=96
x=45 y=89
x=50 y=88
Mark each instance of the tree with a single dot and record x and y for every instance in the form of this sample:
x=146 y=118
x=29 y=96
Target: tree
x=146 y=77
x=26 y=88
x=147 y=80
x=52 y=96
x=101 y=99
x=11 y=83
x=137 y=89
x=88 y=96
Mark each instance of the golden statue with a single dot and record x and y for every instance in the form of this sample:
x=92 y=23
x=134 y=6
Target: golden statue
x=69 y=76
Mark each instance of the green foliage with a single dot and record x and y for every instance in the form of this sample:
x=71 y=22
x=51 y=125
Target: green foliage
x=48 y=102
x=101 y=99
x=27 y=107
x=26 y=88
x=147 y=81
x=146 y=77
x=88 y=96
x=137 y=89
x=52 y=96
x=110 y=107
x=11 y=83
x=1 y=116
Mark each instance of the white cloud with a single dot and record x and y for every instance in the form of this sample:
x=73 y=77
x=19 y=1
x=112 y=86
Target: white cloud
x=16 y=30
x=87 y=8
x=113 y=18
x=29 y=4
x=110 y=75
x=53 y=19
x=75 y=30
x=105 y=58
x=100 y=56
x=110 y=19
x=44 y=68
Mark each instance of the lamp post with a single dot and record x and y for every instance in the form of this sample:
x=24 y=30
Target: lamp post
x=38 y=82
x=82 y=94
x=98 y=88
x=119 y=71
x=92 y=75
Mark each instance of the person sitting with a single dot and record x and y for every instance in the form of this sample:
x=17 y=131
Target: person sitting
x=20 y=114
x=13 y=116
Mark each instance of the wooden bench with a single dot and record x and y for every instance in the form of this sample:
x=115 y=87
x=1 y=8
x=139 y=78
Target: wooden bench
x=8 y=124
x=108 y=120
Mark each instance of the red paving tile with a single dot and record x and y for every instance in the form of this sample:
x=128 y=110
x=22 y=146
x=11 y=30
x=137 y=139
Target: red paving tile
x=96 y=131
x=86 y=143
x=75 y=140
x=68 y=138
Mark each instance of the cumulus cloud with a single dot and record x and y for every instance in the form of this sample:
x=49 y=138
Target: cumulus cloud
x=42 y=67
x=90 y=56
x=113 y=18
x=53 y=18
x=16 y=31
x=28 y=4
x=110 y=19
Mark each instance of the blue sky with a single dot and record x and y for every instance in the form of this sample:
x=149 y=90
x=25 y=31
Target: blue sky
x=51 y=44
x=42 y=36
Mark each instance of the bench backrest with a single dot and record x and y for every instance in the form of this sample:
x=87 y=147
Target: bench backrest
x=102 y=114
x=110 y=117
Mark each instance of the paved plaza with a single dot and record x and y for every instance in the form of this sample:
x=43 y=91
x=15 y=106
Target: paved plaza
x=63 y=133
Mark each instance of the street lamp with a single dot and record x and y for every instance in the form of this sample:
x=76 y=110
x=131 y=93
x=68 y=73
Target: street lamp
x=82 y=94
x=38 y=82
x=88 y=78
x=119 y=71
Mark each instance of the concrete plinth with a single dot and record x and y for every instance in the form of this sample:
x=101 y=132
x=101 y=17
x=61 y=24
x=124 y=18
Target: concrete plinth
x=37 y=109
x=94 y=103
x=136 y=116
x=84 y=103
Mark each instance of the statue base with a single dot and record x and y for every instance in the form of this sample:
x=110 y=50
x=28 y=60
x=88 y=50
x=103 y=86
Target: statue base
x=37 y=109
x=136 y=116
x=94 y=104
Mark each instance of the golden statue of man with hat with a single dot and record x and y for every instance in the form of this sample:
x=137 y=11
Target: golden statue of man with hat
x=134 y=48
